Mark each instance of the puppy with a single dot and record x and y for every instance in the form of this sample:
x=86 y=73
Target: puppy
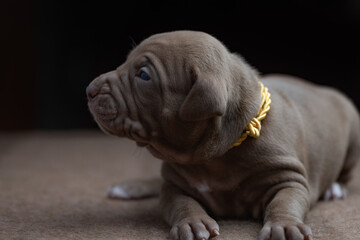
x=231 y=147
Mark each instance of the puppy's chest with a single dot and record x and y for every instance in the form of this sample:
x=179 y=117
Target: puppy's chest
x=205 y=180
x=220 y=190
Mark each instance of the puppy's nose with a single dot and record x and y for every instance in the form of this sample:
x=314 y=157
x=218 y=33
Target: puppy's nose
x=92 y=92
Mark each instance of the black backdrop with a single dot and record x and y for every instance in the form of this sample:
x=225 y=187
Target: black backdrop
x=51 y=50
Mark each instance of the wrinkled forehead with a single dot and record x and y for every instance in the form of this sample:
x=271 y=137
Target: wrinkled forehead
x=160 y=47
x=163 y=45
x=180 y=39
x=182 y=46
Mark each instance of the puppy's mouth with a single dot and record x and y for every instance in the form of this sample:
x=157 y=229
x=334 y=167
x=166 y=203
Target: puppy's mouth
x=105 y=111
x=103 y=108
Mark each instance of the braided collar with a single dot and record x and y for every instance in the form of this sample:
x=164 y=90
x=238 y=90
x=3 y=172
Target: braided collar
x=254 y=126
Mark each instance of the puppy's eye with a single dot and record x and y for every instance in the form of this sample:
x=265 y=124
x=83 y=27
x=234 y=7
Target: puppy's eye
x=142 y=73
x=144 y=76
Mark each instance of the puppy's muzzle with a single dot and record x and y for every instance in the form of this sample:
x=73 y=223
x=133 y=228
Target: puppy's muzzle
x=101 y=103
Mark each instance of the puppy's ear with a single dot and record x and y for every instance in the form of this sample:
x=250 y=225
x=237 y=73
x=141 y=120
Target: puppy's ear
x=206 y=99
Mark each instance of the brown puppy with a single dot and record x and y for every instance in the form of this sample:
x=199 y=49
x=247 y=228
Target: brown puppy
x=187 y=99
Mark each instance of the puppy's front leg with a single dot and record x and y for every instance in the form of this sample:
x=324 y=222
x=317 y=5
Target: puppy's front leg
x=188 y=220
x=284 y=215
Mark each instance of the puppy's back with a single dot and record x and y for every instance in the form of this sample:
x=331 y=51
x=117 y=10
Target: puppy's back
x=331 y=126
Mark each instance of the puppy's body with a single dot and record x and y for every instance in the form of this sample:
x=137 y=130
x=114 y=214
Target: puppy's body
x=289 y=152
x=194 y=102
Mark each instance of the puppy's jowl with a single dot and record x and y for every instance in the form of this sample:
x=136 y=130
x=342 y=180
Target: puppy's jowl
x=234 y=144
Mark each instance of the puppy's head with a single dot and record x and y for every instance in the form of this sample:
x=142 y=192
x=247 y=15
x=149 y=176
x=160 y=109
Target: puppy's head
x=169 y=95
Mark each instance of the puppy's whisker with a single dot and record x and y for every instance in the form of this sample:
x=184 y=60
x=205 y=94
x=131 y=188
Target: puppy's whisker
x=133 y=43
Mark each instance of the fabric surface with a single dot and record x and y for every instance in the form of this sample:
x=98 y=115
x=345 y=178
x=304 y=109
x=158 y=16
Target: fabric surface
x=53 y=186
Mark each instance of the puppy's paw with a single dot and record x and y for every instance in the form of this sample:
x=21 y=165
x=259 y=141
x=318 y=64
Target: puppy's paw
x=335 y=192
x=136 y=189
x=195 y=228
x=281 y=231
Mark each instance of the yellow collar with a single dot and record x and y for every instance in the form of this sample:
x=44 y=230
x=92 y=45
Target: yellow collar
x=254 y=126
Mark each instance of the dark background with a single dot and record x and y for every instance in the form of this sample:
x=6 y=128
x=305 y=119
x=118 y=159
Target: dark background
x=51 y=50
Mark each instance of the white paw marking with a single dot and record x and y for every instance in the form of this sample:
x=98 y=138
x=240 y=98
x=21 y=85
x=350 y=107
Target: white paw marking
x=335 y=192
x=117 y=192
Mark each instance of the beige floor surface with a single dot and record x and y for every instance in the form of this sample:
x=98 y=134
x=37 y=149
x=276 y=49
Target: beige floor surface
x=53 y=184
